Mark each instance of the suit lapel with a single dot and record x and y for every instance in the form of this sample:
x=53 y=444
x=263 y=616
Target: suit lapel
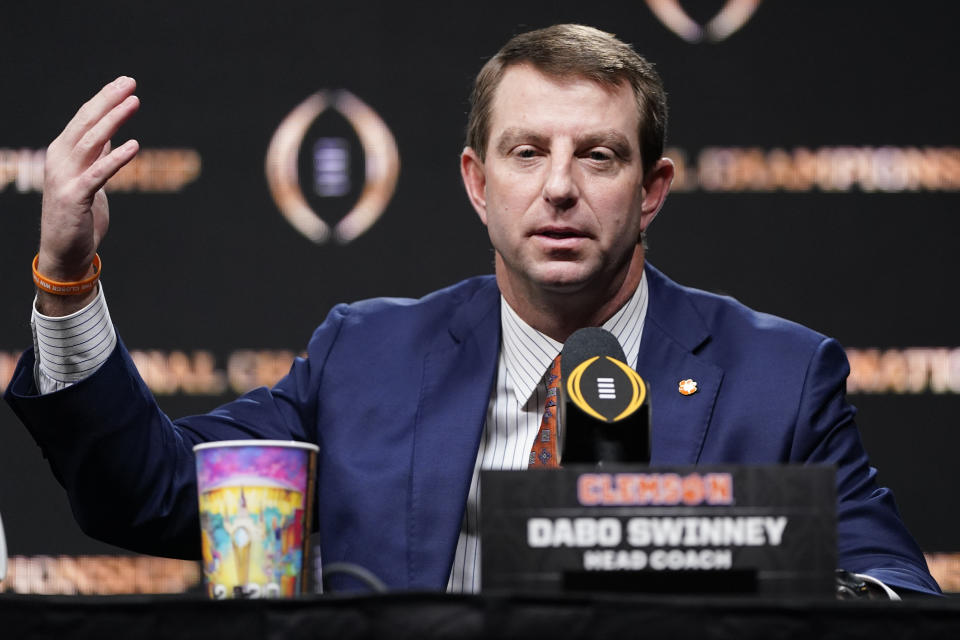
x=672 y=334
x=459 y=371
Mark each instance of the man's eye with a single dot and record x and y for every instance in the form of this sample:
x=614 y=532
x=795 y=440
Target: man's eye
x=599 y=156
x=526 y=153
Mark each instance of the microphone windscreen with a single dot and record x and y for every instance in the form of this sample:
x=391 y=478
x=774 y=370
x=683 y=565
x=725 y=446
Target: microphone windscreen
x=586 y=343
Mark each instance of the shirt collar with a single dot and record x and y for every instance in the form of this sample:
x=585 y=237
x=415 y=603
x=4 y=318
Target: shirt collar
x=528 y=354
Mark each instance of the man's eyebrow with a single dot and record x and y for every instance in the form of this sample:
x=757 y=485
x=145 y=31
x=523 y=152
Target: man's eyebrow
x=611 y=138
x=516 y=135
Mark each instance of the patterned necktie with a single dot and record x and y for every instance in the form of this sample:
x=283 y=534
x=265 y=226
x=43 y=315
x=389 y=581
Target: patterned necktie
x=543 y=455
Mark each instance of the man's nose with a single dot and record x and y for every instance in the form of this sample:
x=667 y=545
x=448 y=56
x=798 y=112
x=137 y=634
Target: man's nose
x=560 y=188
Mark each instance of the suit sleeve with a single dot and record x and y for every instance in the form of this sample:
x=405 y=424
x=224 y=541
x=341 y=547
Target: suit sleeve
x=128 y=469
x=871 y=537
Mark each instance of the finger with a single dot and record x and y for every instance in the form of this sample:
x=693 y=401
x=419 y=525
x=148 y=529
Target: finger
x=107 y=166
x=90 y=146
x=94 y=109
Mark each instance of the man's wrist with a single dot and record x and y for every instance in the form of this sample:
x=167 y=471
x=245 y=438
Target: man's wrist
x=64 y=271
x=61 y=289
x=55 y=306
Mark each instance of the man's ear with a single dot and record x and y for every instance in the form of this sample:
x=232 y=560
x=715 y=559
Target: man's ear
x=474 y=181
x=656 y=185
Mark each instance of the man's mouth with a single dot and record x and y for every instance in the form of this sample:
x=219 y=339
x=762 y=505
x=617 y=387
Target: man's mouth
x=560 y=233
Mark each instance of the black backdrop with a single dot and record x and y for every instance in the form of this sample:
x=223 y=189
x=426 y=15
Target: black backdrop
x=215 y=267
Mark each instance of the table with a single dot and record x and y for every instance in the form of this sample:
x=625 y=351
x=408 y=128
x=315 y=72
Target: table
x=499 y=615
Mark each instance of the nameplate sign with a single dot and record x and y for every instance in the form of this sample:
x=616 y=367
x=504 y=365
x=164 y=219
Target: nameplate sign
x=716 y=529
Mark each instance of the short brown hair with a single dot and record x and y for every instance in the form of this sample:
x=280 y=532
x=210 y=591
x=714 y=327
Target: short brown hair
x=575 y=50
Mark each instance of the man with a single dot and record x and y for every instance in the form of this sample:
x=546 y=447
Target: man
x=408 y=400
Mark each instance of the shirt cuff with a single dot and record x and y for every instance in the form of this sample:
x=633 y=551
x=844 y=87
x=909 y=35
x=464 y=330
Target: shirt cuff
x=71 y=348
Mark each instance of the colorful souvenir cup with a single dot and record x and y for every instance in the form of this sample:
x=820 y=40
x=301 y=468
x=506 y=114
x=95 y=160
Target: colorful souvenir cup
x=256 y=501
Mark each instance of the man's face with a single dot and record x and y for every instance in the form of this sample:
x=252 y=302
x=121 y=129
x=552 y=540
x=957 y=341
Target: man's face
x=561 y=190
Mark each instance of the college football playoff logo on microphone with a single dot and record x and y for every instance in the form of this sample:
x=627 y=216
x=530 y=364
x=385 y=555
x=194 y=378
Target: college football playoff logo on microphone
x=733 y=15
x=606 y=389
x=332 y=154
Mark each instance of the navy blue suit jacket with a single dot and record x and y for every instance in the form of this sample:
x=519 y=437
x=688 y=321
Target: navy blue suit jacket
x=395 y=392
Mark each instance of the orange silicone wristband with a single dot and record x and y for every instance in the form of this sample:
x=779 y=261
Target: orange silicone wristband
x=66 y=288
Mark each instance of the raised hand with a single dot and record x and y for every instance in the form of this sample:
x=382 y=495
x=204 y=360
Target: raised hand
x=75 y=215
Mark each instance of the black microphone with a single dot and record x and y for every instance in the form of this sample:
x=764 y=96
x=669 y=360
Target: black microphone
x=604 y=404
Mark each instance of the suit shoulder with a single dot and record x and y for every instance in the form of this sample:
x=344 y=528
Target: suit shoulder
x=751 y=347
x=377 y=320
x=372 y=332
x=730 y=313
x=732 y=326
x=463 y=292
